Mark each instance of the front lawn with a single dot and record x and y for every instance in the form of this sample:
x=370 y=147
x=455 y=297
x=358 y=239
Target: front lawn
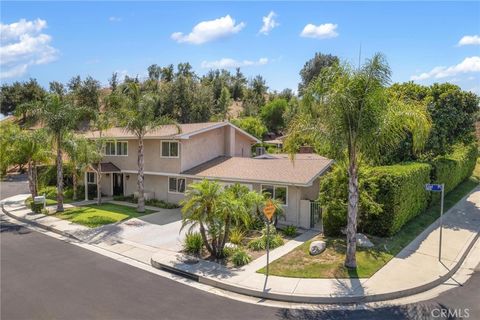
x=329 y=264
x=97 y=215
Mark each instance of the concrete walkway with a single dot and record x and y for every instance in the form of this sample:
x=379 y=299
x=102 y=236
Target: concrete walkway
x=413 y=270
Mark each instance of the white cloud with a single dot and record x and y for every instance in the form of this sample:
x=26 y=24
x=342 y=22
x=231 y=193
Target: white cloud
x=210 y=30
x=469 y=40
x=468 y=65
x=22 y=45
x=269 y=23
x=227 y=63
x=323 y=31
x=114 y=19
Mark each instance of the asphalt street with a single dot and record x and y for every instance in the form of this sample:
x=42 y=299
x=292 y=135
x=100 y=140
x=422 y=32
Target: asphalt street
x=45 y=278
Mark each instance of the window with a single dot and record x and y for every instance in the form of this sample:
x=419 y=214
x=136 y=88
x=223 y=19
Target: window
x=122 y=148
x=169 y=149
x=119 y=148
x=176 y=185
x=276 y=192
x=91 y=178
x=110 y=148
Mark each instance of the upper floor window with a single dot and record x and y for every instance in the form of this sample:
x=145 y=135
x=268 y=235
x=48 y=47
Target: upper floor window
x=276 y=192
x=169 y=149
x=119 y=148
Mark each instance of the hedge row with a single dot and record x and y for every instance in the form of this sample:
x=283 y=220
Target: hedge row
x=454 y=168
x=401 y=193
x=398 y=190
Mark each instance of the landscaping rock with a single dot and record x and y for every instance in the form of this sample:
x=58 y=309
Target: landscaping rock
x=231 y=245
x=363 y=241
x=317 y=247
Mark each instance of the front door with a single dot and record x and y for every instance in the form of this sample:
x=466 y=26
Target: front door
x=118 y=184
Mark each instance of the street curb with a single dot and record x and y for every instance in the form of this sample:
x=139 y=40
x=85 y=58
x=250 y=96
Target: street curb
x=39 y=225
x=320 y=299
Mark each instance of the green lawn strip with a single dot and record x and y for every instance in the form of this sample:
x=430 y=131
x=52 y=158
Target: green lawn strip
x=50 y=202
x=329 y=264
x=97 y=215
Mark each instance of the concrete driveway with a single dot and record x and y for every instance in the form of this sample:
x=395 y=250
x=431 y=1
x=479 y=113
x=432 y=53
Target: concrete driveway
x=159 y=230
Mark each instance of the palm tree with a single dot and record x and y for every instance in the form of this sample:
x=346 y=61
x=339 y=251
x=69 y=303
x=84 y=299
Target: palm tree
x=348 y=115
x=31 y=147
x=137 y=115
x=199 y=208
x=59 y=117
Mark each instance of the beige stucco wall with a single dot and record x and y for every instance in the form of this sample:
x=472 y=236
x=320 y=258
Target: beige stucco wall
x=153 y=161
x=153 y=183
x=243 y=145
x=202 y=147
x=311 y=193
x=106 y=184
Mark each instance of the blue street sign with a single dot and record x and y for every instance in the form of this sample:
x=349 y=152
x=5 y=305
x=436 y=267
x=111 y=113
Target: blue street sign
x=433 y=187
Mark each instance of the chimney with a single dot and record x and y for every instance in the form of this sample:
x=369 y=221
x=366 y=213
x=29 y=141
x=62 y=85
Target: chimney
x=305 y=149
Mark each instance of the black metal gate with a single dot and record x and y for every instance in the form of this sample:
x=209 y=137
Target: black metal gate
x=315 y=214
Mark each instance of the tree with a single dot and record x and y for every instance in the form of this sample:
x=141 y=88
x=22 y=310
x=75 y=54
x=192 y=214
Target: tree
x=272 y=114
x=350 y=116
x=21 y=98
x=313 y=67
x=113 y=81
x=223 y=103
x=31 y=147
x=137 y=115
x=252 y=125
x=9 y=133
x=80 y=155
x=154 y=72
x=255 y=96
x=239 y=83
x=59 y=117
x=215 y=210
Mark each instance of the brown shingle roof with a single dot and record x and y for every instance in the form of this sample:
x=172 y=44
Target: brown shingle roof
x=168 y=131
x=107 y=167
x=280 y=169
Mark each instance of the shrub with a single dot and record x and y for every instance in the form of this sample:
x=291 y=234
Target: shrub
x=161 y=204
x=240 y=258
x=454 y=168
x=273 y=230
x=257 y=244
x=402 y=195
x=36 y=207
x=50 y=192
x=193 y=243
x=261 y=243
x=334 y=198
x=236 y=236
x=290 y=231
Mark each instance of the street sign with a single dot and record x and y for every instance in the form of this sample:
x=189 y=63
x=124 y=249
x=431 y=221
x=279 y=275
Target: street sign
x=269 y=210
x=438 y=188
x=434 y=187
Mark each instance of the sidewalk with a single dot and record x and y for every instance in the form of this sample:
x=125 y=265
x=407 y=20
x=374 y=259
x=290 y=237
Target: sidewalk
x=415 y=269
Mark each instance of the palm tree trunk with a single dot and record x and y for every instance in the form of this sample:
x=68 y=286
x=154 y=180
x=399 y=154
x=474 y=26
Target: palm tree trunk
x=74 y=181
x=31 y=181
x=353 y=198
x=59 y=175
x=140 y=177
x=99 y=183
x=204 y=238
x=35 y=177
x=225 y=234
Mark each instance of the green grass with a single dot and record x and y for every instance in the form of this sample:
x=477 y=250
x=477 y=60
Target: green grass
x=50 y=202
x=97 y=215
x=329 y=264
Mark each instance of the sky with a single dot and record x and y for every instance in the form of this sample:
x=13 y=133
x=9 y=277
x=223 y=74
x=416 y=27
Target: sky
x=425 y=42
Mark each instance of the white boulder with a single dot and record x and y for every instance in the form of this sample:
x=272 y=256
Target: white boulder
x=363 y=241
x=317 y=247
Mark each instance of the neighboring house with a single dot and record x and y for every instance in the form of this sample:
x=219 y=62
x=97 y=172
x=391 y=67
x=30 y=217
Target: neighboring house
x=214 y=150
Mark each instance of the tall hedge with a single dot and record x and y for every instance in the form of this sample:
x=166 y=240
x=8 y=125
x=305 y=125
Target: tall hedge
x=455 y=167
x=402 y=195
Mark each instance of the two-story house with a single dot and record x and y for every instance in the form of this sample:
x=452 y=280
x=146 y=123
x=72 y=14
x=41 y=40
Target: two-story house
x=215 y=150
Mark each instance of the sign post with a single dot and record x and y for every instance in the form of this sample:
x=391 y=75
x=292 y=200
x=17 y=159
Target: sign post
x=268 y=211
x=438 y=188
